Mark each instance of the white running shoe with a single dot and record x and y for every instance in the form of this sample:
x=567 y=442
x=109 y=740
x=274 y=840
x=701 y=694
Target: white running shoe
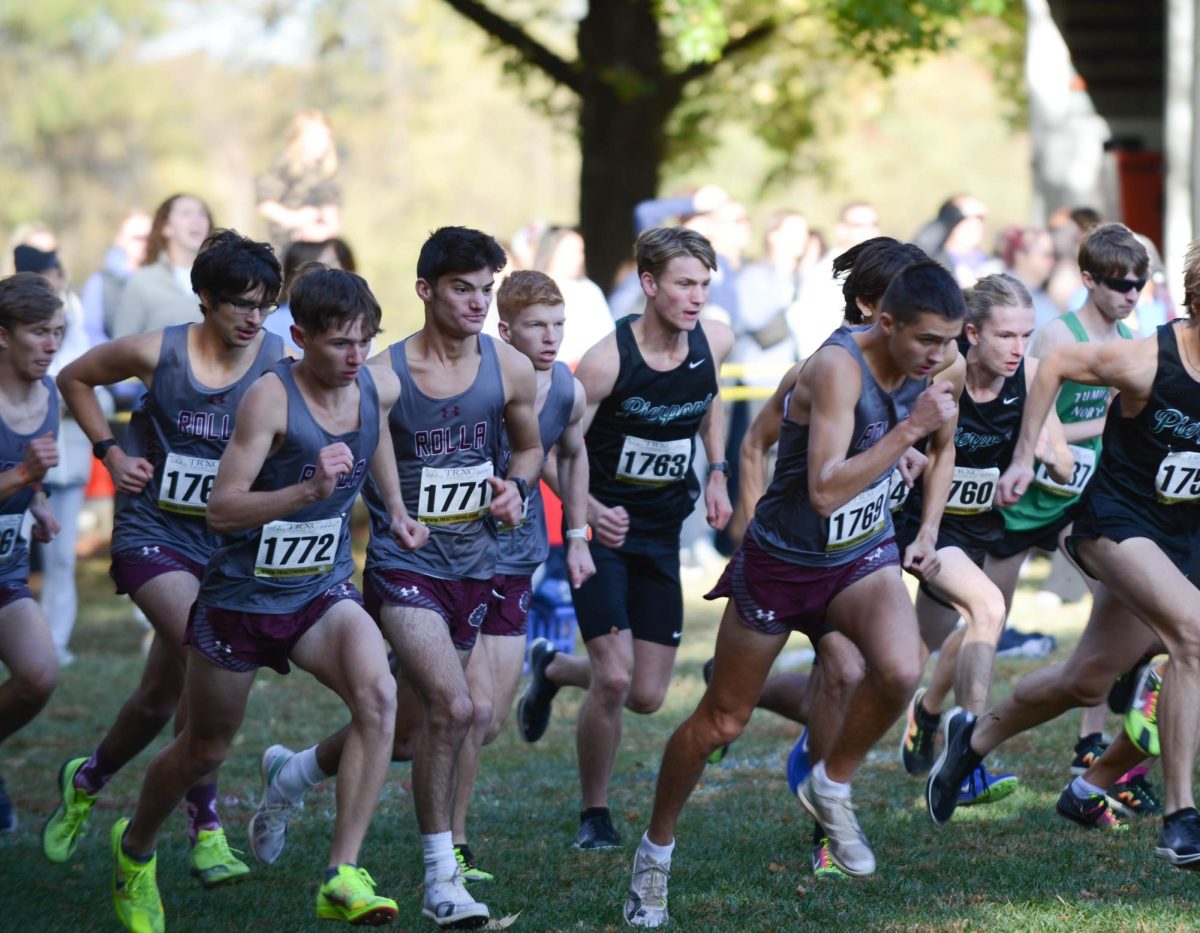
x=448 y=904
x=847 y=845
x=646 y=902
x=269 y=825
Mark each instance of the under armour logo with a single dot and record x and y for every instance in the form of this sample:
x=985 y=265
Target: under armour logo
x=223 y=647
x=409 y=591
x=149 y=549
x=450 y=411
x=765 y=615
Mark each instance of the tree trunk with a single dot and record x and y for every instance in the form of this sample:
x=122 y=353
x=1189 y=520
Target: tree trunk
x=625 y=103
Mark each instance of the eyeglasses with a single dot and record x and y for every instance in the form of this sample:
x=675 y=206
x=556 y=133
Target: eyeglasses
x=243 y=308
x=1121 y=286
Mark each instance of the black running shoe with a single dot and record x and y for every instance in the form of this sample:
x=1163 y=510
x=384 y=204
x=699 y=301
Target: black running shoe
x=952 y=767
x=1087 y=750
x=1135 y=796
x=596 y=831
x=1179 y=841
x=721 y=752
x=1122 y=689
x=1091 y=810
x=916 y=744
x=533 y=712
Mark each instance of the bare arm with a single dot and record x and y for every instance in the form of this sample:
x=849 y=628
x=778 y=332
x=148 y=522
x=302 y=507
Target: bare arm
x=521 y=427
x=597 y=373
x=712 y=431
x=1052 y=447
x=760 y=437
x=1050 y=337
x=407 y=530
x=572 y=476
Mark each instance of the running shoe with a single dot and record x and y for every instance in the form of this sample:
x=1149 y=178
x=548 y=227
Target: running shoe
x=799 y=763
x=848 y=847
x=719 y=755
x=471 y=873
x=1122 y=689
x=135 y=888
x=533 y=712
x=212 y=861
x=916 y=745
x=823 y=865
x=1134 y=796
x=448 y=904
x=646 y=900
x=1091 y=810
x=8 y=814
x=350 y=896
x=596 y=832
x=1087 y=750
x=269 y=824
x=981 y=786
x=1141 y=722
x=1179 y=841
x=946 y=778
x=61 y=833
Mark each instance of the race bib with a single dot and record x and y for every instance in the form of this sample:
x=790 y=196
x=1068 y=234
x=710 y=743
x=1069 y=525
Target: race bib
x=653 y=463
x=186 y=484
x=295 y=549
x=971 y=490
x=1178 y=478
x=454 y=494
x=898 y=491
x=1085 y=466
x=10 y=534
x=860 y=518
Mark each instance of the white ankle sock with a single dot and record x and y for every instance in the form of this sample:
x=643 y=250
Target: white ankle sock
x=439 y=856
x=298 y=774
x=827 y=787
x=1082 y=788
x=656 y=852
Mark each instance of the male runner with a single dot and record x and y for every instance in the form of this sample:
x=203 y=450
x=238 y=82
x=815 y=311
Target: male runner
x=279 y=589
x=651 y=387
x=31 y=331
x=195 y=375
x=1141 y=510
x=820 y=551
x=531 y=312
x=1042 y=517
x=461 y=393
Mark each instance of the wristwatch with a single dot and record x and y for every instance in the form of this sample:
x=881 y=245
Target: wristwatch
x=719 y=466
x=100 y=448
x=580 y=533
x=522 y=488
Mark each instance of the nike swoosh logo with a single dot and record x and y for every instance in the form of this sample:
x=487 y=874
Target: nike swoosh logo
x=677 y=634
x=694 y=364
x=1009 y=401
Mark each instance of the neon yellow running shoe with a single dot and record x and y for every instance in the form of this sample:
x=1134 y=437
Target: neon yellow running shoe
x=471 y=873
x=350 y=896
x=61 y=833
x=822 y=862
x=212 y=861
x=1141 y=722
x=134 y=888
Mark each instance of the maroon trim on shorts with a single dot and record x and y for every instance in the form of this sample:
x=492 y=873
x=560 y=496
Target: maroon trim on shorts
x=462 y=604
x=508 y=612
x=11 y=592
x=135 y=566
x=246 y=641
x=774 y=596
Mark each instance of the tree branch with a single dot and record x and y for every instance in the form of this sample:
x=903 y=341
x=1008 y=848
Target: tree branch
x=514 y=37
x=747 y=40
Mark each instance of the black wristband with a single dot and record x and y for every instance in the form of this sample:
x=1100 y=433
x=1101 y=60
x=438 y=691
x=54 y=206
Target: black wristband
x=100 y=448
x=522 y=488
x=719 y=466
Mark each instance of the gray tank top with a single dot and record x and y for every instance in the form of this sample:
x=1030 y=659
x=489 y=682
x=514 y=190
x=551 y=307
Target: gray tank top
x=181 y=427
x=445 y=450
x=14 y=550
x=785 y=523
x=286 y=564
x=524 y=547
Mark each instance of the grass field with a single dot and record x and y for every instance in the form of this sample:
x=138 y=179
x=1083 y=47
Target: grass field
x=741 y=861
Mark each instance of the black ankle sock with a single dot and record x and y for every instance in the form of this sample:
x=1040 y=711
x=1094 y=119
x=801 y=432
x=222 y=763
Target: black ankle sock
x=332 y=872
x=591 y=812
x=818 y=834
x=926 y=717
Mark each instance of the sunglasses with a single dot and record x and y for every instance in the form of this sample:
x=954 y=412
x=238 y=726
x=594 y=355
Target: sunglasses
x=1121 y=286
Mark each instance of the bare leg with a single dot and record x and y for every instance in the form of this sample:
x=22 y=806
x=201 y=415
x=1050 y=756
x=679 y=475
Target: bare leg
x=27 y=649
x=743 y=658
x=787 y=695
x=567 y=670
x=1118 y=758
x=1093 y=719
x=834 y=682
x=941 y=681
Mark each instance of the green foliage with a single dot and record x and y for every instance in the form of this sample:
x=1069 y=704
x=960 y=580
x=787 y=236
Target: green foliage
x=696 y=28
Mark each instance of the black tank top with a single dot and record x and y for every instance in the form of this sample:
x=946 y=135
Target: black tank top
x=642 y=439
x=1149 y=470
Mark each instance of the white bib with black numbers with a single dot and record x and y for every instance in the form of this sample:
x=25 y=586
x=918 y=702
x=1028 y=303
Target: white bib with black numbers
x=187 y=483
x=454 y=494
x=10 y=534
x=972 y=490
x=860 y=518
x=644 y=462
x=293 y=549
x=1178 y=479
x=1085 y=466
x=898 y=491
